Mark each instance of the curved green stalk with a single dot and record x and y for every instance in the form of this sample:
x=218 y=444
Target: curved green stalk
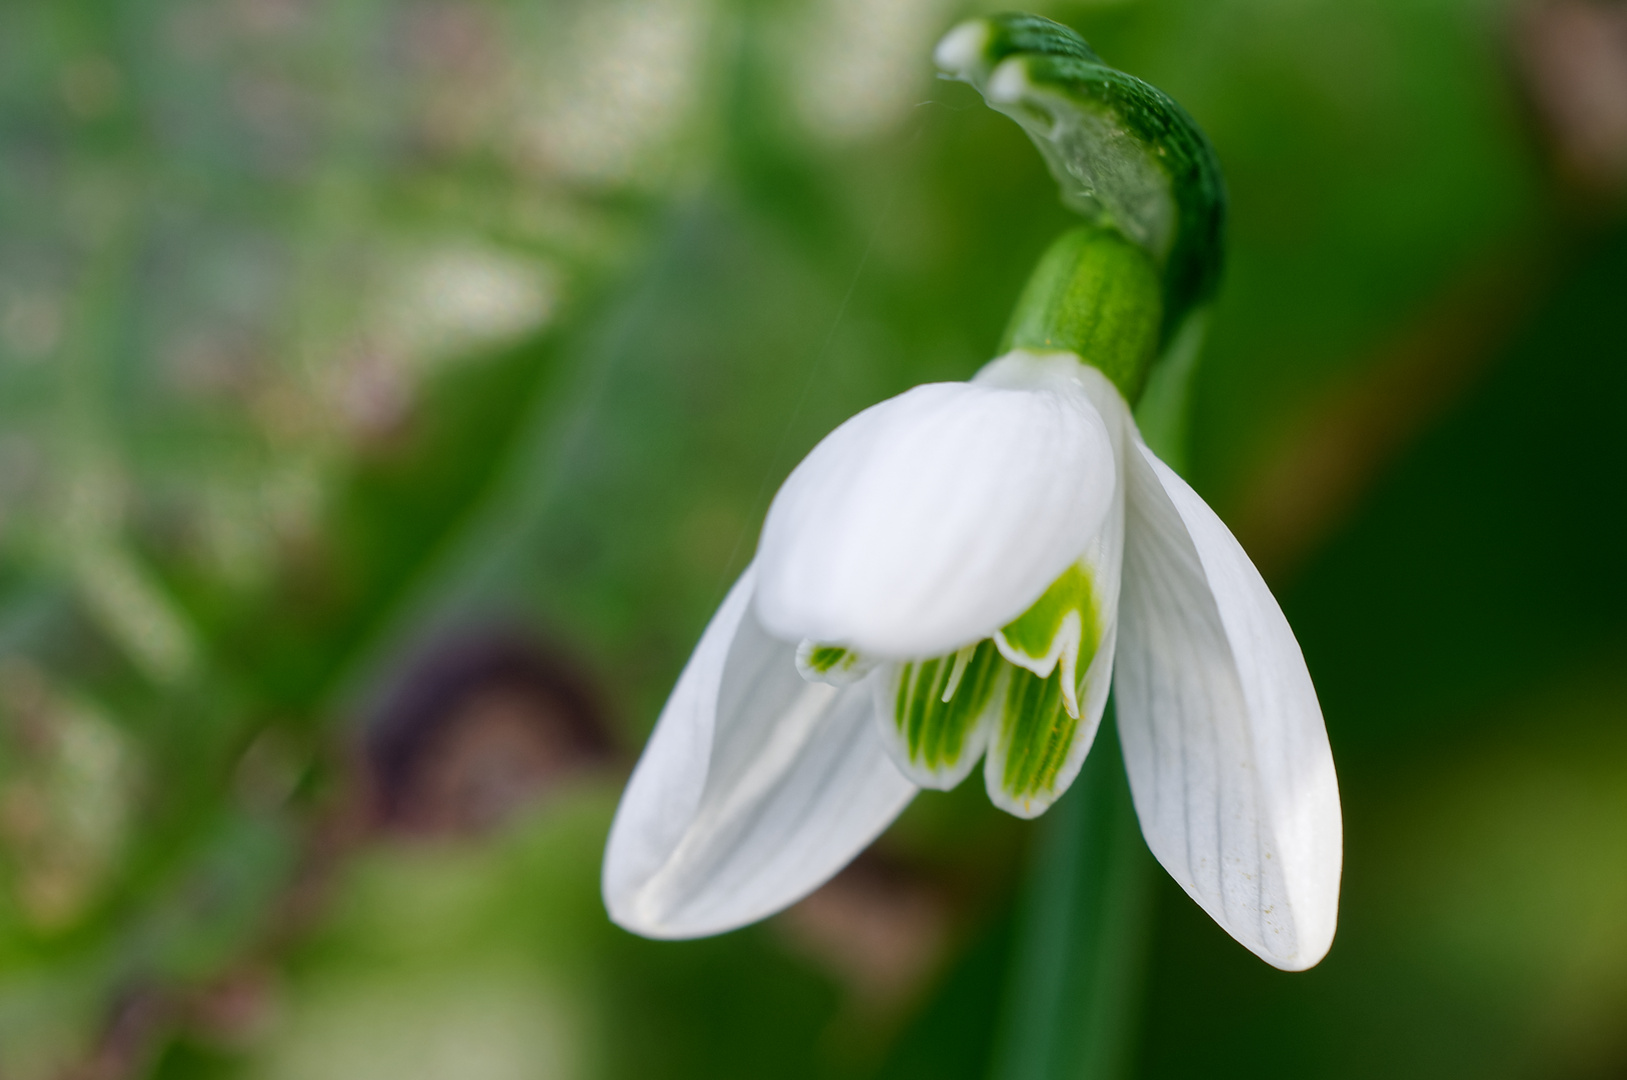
x=1123 y=152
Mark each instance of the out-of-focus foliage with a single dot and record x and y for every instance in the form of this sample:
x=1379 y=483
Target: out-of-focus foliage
x=349 y=350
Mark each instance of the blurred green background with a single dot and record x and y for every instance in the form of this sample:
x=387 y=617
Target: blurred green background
x=389 y=392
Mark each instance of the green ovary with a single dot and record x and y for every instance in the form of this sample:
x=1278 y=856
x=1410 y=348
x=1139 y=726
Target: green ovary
x=936 y=732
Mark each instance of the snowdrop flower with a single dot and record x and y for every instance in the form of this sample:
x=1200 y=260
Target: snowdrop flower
x=959 y=575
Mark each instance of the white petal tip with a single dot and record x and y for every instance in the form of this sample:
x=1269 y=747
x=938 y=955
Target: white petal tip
x=961 y=49
x=1027 y=812
x=1306 y=957
x=1008 y=83
x=755 y=788
x=635 y=925
x=628 y=913
x=832 y=664
x=932 y=781
x=1297 y=963
x=1028 y=807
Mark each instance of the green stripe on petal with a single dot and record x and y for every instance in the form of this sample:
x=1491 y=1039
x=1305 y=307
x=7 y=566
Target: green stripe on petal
x=1035 y=733
x=824 y=657
x=936 y=713
x=1063 y=627
x=832 y=664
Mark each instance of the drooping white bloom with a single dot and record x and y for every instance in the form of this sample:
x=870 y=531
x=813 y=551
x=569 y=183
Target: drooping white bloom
x=959 y=574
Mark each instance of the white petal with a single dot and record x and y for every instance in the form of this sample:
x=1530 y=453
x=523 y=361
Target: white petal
x=755 y=788
x=928 y=521
x=961 y=50
x=1223 y=737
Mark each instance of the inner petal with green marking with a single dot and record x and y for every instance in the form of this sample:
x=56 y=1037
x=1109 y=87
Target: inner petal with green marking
x=1015 y=696
x=938 y=717
x=1063 y=627
x=1036 y=732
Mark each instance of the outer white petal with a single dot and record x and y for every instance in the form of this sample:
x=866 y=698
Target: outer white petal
x=1223 y=737
x=754 y=789
x=930 y=520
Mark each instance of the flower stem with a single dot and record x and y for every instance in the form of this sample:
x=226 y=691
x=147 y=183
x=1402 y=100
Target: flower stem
x=1077 y=965
x=1095 y=294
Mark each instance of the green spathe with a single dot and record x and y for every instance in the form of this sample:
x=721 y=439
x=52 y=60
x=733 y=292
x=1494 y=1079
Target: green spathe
x=1098 y=295
x=1124 y=153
